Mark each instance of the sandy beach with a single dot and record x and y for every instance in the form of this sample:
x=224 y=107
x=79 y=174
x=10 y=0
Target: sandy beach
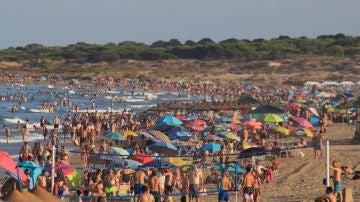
x=301 y=179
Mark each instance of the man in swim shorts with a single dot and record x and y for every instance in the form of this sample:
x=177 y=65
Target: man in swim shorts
x=249 y=183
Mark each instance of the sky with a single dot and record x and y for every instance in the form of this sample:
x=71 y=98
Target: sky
x=63 y=22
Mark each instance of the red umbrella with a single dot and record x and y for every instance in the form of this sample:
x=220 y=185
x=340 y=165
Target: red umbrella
x=9 y=165
x=66 y=169
x=252 y=124
x=142 y=158
x=196 y=121
x=302 y=122
x=194 y=126
x=181 y=117
x=294 y=104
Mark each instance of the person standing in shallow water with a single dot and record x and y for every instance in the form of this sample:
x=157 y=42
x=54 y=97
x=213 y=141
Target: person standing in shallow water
x=7 y=134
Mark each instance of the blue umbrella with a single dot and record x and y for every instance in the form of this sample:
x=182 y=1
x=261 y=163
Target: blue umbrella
x=110 y=157
x=120 y=164
x=224 y=119
x=211 y=147
x=168 y=120
x=176 y=129
x=191 y=117
x=35 y=169
x=158 y=163
x=180 y=134
x=231 y=168
x=164 y=148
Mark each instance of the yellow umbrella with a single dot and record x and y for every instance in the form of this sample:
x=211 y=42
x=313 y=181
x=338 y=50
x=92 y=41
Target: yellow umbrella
x=178 y=161
x=129 y=133
x=283 y=131
x=308 y=132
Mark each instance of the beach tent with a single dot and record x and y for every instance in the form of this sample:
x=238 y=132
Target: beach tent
x=34 y=168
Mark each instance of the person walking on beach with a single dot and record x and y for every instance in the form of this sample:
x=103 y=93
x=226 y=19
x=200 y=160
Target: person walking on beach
x=318 y=141
x=248 y=186
x=337 y=180
x=7 y=134
x=139 y=181
x=196 y=181
x=225 y=186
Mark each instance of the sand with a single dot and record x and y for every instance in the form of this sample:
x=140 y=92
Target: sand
x=301 y=179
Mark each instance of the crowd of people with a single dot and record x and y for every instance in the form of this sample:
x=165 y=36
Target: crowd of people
x=85 y=132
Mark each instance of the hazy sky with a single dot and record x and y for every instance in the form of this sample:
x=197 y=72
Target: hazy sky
x=61 y=22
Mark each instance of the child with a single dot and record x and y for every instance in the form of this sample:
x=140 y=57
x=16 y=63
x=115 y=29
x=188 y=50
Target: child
x=275 y=164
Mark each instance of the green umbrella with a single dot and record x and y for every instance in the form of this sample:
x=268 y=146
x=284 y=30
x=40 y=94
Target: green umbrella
x=283 y=131
x=229 y=135
x=266 y=109
x=120 y=151
x=271 y=118
x=247 y=100
x=114 y=136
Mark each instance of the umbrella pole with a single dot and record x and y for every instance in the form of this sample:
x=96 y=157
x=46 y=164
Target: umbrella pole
x=18 y=176
x=236 y=182
x=52 y=168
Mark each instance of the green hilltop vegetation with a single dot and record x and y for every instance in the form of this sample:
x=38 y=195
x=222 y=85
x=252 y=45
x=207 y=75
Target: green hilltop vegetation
x=242 y=50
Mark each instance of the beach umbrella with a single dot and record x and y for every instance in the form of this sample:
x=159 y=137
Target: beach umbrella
x=333 y=109
x=247 y=145
x=168 y=120
x=211 y=147
x=301 y=121
x=314 y=111
x=160 y=136
x=283 y=131
x=224 y=119
x=213 y=138
x=247 y=100
x=180 y=134
x=177 y=129
x=230 y=168
x=273 y=118
x=109 y=157
x=120 y=164
x=114 y=136
x=266 y=109
x=181 y=117
x=128 y=133
x=293 y=104
x=178 y=161
x=304 y=132
x=120 y=151
x=252 y=124
x=65 y=169
x=142 y=158
x=196 y=121
x=158 y=163
x=164 y=148
x=146 y=135
x=252 y=151
x=35 y=168
x=8 y=164
x=229 y=135
x=194 y=126
x=217 y=128
x=169 y=128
